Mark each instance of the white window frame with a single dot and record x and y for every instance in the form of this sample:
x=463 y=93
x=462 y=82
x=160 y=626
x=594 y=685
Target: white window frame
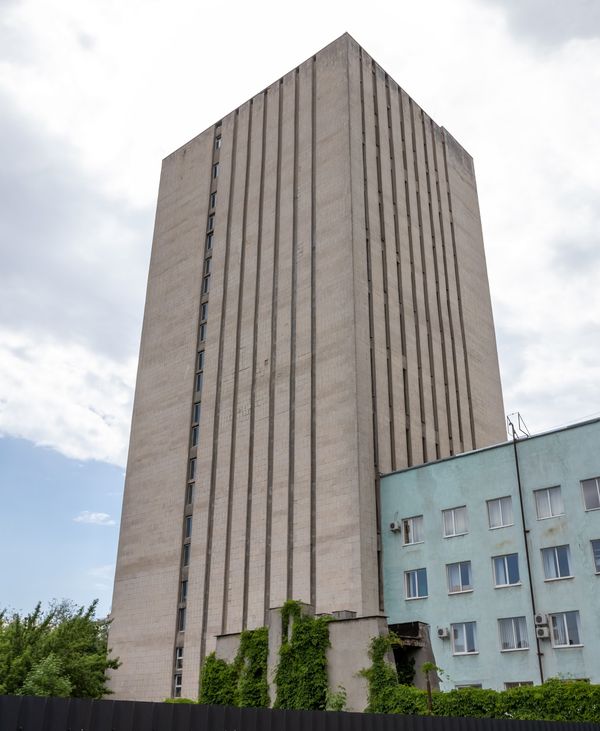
x=591 y=479
x=508 y=684
x=177 y=683
x=407 y=584
x=522 y=630
x=563 y=620
x=178 y=659
x=547 y=491
x=463 y=589
x=452 y=512
x=503 y=524
x=463 y=626
x=554 y=549
x=409 y=523
x=505 y=556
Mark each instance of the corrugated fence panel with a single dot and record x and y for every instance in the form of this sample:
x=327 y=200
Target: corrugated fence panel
x=72 y=714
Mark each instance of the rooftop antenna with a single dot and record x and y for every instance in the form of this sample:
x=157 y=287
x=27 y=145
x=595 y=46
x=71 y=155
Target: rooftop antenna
x=517 y=429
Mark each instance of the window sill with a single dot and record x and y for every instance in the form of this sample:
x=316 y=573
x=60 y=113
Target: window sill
x=414 y=543
x=457 y=535
x=507 y=586
x=549 y=517
x=497 y=527
x=557 y=578
x=566 y=647
x=516 y=649
x=462 y=591
x=463 y=654
x=415 y=598
x=591 y=510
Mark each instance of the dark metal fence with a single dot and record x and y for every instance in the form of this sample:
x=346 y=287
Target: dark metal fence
x=24 y=713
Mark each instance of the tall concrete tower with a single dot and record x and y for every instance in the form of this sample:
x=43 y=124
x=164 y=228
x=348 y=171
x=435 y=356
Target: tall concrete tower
x=317 y=313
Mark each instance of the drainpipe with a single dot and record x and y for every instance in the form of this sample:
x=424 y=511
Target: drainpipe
x=540 y=654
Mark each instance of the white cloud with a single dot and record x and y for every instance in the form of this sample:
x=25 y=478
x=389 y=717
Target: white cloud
x=65 y=396
x=94 y=519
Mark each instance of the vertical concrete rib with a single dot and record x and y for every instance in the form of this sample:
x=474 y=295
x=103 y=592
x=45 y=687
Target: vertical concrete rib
x=421 y=454
x=313 y=340
x=446 y=316
x=234 y=410
x=273 y=364
x=292 y=386
x=473 y=444
x=430 y=390
x=216 y=418
x=398 y=269
x=257 y=291
x=385 y=277
x=369 y=269
x=444 y=423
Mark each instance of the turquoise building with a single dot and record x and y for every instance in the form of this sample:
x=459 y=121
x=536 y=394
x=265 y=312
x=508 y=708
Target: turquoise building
x=496 y=553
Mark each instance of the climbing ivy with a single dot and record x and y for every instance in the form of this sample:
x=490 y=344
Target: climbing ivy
x=252 y=686
x=242 y=682
x=381 y=676
x=301 y=676
x=217 y=682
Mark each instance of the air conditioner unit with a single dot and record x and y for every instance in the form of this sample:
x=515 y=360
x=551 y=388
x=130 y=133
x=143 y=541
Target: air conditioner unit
x=443 y=633
x=541 y=619
x=542 y=633
x=395 y=526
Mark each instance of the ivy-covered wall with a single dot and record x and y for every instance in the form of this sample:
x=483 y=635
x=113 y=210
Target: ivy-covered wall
x=242 y=682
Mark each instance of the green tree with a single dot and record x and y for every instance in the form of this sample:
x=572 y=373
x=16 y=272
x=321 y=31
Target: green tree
x=62 y=651
x=47 y=678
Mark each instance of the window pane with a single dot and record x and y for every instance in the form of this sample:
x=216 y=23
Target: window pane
x=564 y=568
x=199 y=378
x=201 y=360
x=448 y=523
x=556 y=503
x=572 y=620
x=422 y=581
x=507 y=513
x=460 y=520
x=550 y=565
x=505 y=628
x=458 y=637
x=494 y=514
x=512 y=565
x=590 y=494
x=470 y=636
x=500 y=571
x=453 y=570
x=596 y=552
x=417 y=523
x=559 y=635
x=542 y=505
x=520 y=626
x=465 y=574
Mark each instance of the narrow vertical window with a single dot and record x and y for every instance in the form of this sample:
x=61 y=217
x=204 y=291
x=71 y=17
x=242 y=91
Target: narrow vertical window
x=218 y=142
x=183 y=591
x=189 y=494
x=181 y=619
x=213 y=199
x=188 y=526
x=195 y=435
x=186 y=554
x=215 y=170
x=196 y=412
x=177 y=683
x=179 y=658
x=596 y=554
x=192 y=470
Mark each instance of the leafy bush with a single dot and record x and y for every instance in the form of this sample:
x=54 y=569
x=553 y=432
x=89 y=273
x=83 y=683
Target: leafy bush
x=62 y=651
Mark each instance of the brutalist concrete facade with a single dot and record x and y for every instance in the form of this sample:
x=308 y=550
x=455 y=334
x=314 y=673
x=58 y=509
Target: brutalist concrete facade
x=332 y=230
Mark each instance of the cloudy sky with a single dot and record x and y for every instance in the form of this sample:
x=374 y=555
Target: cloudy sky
x=93 y=94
